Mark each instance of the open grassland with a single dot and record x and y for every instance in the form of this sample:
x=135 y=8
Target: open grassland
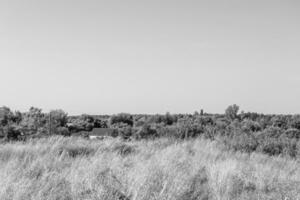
x=60 y=168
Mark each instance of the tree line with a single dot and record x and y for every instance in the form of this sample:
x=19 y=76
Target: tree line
x=240 y=131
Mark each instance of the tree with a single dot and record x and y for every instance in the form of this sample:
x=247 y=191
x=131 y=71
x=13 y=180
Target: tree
x=279 y=121
x=232 y=112
x=249 y=125
x=5 y=115
x=146 y=132
x=169 y=119
x=99 y=123
x=87 y=118
x=295 y=122
x=122 y=118
x=57 y=119
x=17 y=118
x=33 y=119
x=63 y=131
x=12 y=133
x=188 y=128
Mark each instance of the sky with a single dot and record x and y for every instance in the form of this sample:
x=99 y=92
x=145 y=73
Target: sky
x=105 y=57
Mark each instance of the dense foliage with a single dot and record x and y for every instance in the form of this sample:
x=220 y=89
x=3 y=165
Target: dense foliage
x=247 y=132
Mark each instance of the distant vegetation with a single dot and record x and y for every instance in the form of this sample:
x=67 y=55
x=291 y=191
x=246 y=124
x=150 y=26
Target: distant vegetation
x=238 y=131
x=200 y=156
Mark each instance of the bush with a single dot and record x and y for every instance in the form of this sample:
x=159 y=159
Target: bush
x=125 y=132
x=123 y=149
x=292 y=133
x=295 y=122
x=73 y=150
x=241 y=141
x=167 y=131
x=279 y=121
x=277 y=146
x=98 y=123
x=187 y=128
x=271 y=147
x=82 y=123
x=166 y=119
x=146 y=132
x=232 y=112
x=121 y=118
x=140 y=122
x=250 y=126
x=11 y=133
x=63 y=131
x=270 y=133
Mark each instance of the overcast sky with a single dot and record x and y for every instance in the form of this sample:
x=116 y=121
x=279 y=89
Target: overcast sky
x=102 y=57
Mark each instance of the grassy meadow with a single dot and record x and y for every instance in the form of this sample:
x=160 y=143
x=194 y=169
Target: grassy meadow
x=59 y=168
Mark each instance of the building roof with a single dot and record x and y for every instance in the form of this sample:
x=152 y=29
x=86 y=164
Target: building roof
x=102 y=132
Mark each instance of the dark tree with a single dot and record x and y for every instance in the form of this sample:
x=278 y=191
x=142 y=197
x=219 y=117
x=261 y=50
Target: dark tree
x=122 y=118
x=232 y=112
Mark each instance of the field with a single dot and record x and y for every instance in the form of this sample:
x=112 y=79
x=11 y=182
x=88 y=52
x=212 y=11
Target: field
x=60 y=168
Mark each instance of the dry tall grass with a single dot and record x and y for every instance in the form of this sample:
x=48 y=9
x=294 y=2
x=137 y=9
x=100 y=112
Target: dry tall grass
x=74 y=168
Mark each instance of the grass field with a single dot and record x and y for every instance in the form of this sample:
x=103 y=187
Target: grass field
x=74 y=168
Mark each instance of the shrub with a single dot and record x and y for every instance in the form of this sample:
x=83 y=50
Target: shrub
x=167 y=131
x=166 y=119
x=271 y=147
x=123 y=149
x=276 y=146
x=279 y=121
x=11 y=133
x=204 y=120
x=63 y=131
x=250 y=126
x=125 y=132
x=187 y=128
x=232 y=112
x=146 y=132
x=292 y=133
x=122 y=118
x=295 y=122
x=210 y=132
x=241 y=141
x=140 y=122
x=270 y=132
x=5 y=115
x=75 y=150
x=98 y=123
